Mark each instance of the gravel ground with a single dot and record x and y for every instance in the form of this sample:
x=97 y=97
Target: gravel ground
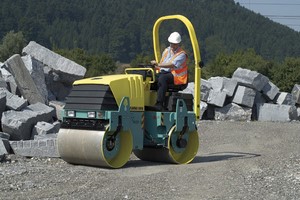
x=236 y=160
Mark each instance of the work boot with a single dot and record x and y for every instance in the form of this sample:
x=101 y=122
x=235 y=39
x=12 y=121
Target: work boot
x=158 y=106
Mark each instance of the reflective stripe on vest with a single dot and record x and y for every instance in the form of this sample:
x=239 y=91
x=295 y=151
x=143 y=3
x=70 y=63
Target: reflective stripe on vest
x=180 y=74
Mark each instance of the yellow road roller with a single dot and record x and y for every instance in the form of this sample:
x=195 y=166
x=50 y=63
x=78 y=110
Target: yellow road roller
x=106 y=118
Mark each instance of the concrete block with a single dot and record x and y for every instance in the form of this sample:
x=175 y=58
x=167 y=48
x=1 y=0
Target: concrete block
x=298 y=113
x=2 y=82
x=4 y=147
x=36 y=148
x=216 y=98
x=13 y=102
x=36 y=71
x=189 y=89
x=259 y=99
x=244 y=96
x=2 y=102
x=67 y=70
x=250 y=79
x=58 y=107
x=203 y=108
x=4 y=135
x=43 y=112
x=23 y=79
x=233 y=112
x=270 y=91
x=223 y=84
x=40 y=137
x=205 y=89
x=18 y=124
x=274 y=112
x=10 y=80
x=296 y=94
x=43 y=128
x=284 y=98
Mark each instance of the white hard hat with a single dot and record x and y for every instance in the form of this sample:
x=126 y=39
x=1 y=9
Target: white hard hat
x=174 y=38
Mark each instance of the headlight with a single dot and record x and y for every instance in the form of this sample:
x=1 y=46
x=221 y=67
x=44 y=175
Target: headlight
x=91 y=115
x=71 y=113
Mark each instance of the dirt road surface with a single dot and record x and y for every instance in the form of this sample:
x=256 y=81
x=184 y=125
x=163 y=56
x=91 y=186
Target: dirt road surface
x=236 y=160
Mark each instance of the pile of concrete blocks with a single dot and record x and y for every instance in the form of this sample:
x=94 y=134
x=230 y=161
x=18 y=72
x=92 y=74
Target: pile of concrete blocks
x=247 y=95
x=33 y=87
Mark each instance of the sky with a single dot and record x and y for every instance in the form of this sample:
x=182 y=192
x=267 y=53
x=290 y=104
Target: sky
x=286 y=12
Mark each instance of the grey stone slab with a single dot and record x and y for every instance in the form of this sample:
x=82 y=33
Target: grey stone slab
x=58 y=106
x=223 y=84
x=10 y=80
x=205 y=89
x=189 y=89
x=68 y=70
x=3 y=83
x=36 y=71
x=4 y=146
x=43 y=128
x=298 y=113
x=23 y=79
x=296 y=94
x=2 y=102
x=51 y=135
x=13 y=102
x=43 y=112
x=284 y=98
x=250 y=78
x=276 y=113
x=4 y=135
x=18 y=124
x=216 y=98
x=233 y=112
x=203 y=108
x=270 y=90
x=36 y=148
x=244 y=96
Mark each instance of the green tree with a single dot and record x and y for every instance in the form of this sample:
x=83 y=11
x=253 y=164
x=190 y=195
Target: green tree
x=226 y=64
x=287 y=74
x=12 y=43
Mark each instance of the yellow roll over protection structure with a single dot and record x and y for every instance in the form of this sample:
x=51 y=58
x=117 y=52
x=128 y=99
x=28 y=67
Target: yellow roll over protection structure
x=106 y=118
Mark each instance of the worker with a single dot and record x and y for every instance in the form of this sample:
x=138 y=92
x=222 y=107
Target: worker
x=172 y=68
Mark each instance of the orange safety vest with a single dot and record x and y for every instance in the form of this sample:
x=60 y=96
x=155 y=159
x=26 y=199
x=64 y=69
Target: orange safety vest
x=180 y=74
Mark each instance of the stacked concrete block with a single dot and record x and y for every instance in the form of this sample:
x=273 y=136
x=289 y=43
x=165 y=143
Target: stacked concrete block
x=205 y=89
x=284 y=98
x=275 y=112
x=2 y=102
x=2 y=82
x=270 y=90
x=58 y=106
x=13 y=102
x=203 y=108
x=23 y=79
x=36 y=148
x=67 y=70
x=296 y=94
x=216 y=98
x=223 y=84
x=44 y=128
x=250 y=79
x=4 y=144
x=10 y=80
x=19 y=124
x=36 y=71
x=244 y=96
x=233 y=112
